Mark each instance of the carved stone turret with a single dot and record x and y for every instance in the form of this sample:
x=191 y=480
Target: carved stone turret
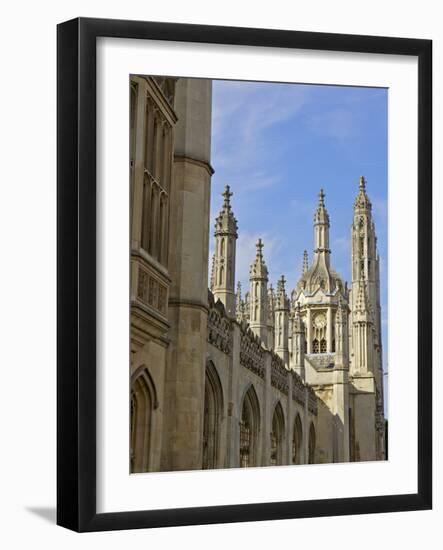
x=271 y=317
x=223 y=273
x=258 y=295
x=320 y=273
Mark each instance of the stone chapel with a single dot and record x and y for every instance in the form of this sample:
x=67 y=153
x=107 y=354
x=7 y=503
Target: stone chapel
x=221 y=380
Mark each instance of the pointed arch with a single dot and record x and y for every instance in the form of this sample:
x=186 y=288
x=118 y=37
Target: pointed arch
x=212 y=418
x=297 y=438
x=249 y=428
x=277 y=435
x=143 y=403
x=312 y=443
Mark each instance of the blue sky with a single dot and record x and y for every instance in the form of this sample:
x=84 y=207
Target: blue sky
x=276 y=145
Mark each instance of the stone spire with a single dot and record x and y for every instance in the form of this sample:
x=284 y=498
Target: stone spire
x=365 y=294
x=320 y=274
x=239 y=304
x=258 y=295
x=321 y=228
x=282 y=321
x=298 y=343
x=271 y=315
x=224 y=256
x=362 y=202
x=305 y=262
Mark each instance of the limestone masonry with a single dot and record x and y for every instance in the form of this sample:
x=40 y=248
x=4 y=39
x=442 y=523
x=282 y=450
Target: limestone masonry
x=221 y=380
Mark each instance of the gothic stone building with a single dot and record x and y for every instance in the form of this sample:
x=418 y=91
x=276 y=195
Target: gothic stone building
x=218 y=381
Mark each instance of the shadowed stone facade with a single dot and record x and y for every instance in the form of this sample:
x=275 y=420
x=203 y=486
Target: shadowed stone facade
x=222 y=381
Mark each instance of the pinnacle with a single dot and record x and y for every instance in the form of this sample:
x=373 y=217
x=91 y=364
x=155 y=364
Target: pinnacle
x=227 y=194
x=305 y=261
x=259 y=245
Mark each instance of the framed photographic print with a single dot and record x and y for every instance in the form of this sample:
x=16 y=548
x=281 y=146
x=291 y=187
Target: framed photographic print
x=244 y=274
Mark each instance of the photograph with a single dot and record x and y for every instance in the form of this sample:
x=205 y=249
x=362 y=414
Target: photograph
x=258 y=274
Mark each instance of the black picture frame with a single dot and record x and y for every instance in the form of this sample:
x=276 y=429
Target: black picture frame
x=76 y=274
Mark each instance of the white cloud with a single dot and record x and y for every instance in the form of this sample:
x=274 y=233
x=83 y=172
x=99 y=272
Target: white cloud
x=243 y=116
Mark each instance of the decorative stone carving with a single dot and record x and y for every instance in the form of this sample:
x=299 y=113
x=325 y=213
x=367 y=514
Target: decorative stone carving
x=151 y=291
x=251 y=352
x=298 y=388
x=279 y=374
x=321 y=360
x=219 y=327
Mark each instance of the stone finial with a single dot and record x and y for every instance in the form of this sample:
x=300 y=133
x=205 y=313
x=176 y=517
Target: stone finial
x=362 y=201
x=259 y=245
x=227 y=194
x=281 y=284
x=282 y=299
x=258 y=267
x=225 y=223
x=321 y=214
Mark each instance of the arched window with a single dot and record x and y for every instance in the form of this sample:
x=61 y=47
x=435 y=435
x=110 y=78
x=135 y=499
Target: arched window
x=222 y=248
x=249 y=429
x=277 y=436
x=161 y=229
x=323 y=348
x=152 y=246
x=311 y=448
x=315 y=346
x=143 y=402
x=297 y=438
x=156 y=182
x=212 y=417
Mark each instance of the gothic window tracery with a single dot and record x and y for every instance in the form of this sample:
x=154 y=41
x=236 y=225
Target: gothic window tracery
x=157 y=164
